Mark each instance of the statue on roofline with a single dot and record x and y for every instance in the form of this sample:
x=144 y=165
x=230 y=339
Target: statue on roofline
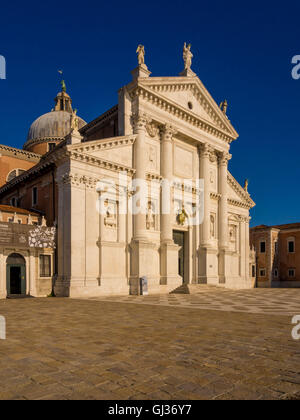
x=187 y=56
x=74 y=121
x=141 y=54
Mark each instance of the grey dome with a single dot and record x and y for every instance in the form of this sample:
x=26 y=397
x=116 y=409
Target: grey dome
x=53 y=125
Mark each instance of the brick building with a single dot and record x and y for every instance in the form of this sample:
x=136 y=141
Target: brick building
x=277 y=255
x=26 y=253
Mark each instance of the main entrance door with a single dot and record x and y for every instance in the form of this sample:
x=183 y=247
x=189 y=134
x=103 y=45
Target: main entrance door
x=178 y=238
x=16 y=275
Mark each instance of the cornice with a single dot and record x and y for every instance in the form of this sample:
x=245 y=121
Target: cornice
x=40 y=167
x=99 y=162
x=241 y=204
x=103 y=144
x=42 y=140
x=150 y=176
x=240 y=191
x=215 y=196
x=36 y=157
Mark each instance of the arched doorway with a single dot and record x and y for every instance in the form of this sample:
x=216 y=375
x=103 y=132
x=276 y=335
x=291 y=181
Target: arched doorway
x=15 y=275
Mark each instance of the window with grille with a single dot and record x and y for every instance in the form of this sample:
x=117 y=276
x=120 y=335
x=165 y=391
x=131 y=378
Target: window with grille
x=45 y=265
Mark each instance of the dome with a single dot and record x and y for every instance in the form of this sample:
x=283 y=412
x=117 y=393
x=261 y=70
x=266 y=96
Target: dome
x=54 y=125
x=51 y=128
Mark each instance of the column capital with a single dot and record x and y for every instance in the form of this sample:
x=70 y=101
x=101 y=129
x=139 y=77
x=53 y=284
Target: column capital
x=167 y=132
x=224 y=158
x=204 y=150
x=139 y=121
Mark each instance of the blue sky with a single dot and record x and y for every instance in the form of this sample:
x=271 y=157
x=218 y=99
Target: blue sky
x=242 y=52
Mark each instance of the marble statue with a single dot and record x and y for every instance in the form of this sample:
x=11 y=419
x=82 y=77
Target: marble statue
x=74 y=121
x=187 y=56
x=141 y=54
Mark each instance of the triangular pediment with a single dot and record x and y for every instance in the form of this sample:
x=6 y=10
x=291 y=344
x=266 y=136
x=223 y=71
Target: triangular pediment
x=191 y=96
x=236 y=193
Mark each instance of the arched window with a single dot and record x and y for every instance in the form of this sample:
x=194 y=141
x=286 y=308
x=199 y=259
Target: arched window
x=14 y=173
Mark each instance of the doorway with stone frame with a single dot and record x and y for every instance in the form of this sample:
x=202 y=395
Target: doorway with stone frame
x=181 y=238
x=15 y=275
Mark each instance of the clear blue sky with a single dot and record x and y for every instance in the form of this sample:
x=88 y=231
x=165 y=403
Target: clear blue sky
x=242 y=52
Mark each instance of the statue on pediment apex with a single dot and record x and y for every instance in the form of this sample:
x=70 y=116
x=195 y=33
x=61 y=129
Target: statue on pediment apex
x=187 y=56
x=141 y=54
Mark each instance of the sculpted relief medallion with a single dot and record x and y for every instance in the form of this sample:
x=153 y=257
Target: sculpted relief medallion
x=152 y=129
x=152 y=157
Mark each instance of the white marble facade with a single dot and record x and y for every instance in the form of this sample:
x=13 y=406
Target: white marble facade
x=169 y=128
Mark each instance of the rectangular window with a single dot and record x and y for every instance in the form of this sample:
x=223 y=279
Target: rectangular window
x=276 y=248
x=51 y=146
x=292 y=272
x=262 y=247
x=262 y=272
x=291 y=247
x=13 y=202
x=34 y=196
x=45 y=266
x=276 y=273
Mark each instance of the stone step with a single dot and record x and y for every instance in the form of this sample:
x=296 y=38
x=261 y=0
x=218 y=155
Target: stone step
x=187 y=289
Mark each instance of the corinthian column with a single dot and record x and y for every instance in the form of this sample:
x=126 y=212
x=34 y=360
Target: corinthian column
x=169 y=277
x=139 y=128
x=223 y=207
x=167 y=133
x=204 y=153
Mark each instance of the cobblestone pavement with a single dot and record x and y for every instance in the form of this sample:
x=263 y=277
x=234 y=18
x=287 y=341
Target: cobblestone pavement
x=84 y=349
x=255 y=301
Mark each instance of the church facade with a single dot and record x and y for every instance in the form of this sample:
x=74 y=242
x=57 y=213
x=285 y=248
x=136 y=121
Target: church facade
x=104 y=186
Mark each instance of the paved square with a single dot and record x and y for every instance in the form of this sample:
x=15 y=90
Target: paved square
x=98 y=349
x=256 y=301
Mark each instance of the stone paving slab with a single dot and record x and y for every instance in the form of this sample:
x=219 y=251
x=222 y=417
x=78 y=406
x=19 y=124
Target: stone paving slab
x=255 y=301
x=60 y=348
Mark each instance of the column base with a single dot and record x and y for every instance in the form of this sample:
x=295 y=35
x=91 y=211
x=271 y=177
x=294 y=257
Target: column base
x=144 y=263
x=208 y=265
x=169 y=265
x=224 y=263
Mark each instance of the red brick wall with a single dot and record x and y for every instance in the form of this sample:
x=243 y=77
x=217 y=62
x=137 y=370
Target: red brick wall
x=23 y=193
x=288 y=260
x=9 y=163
